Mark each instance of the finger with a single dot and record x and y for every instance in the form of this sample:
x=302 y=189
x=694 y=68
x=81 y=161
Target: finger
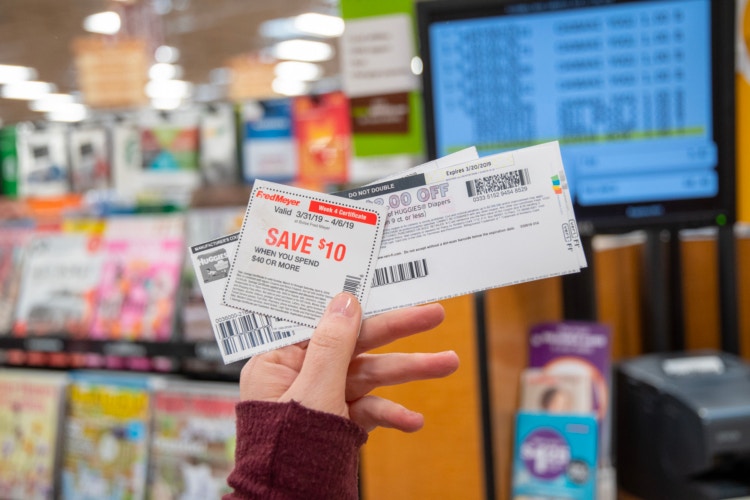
x=322 y=379
x=372 y=411
x=369 y=371
x=384 y=328
x=267 y=376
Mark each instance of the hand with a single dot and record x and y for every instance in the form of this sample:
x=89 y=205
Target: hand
x=333 y=372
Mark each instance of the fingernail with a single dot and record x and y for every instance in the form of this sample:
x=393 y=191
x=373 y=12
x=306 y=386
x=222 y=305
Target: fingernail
x=343 y=304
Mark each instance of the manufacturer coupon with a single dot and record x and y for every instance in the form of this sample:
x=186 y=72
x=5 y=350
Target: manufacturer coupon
x=239 y=334
x=496 y=221
x=297 y=249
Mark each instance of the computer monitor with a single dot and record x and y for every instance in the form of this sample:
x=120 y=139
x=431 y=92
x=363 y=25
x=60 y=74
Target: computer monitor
x=639 y=93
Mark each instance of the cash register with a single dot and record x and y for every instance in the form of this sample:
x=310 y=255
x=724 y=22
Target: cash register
x=682 y=426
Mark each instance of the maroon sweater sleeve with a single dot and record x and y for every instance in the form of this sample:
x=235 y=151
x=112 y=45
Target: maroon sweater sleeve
x=287 y=451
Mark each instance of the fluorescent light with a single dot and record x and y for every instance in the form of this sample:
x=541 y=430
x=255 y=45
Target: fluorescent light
x=26 y=90
x=11 y=74
x=106 y=23
x=289 y=87
x=298 y=70
x=168 y=89
x=72 y=112
x=166 y=103
x=303 y=50
x=51 y=102
x=167 y=54
x=319 y=24
x=165 y=71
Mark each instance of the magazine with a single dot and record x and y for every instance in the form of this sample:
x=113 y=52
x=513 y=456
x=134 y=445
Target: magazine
x=31 y=411
x=59 y=278
x=12 y=248
x=139 y=287
x=193 y=440
x=106 y=437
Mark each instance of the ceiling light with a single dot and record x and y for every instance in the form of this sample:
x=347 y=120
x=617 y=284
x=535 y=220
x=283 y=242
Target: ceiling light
x=165 y=71
x=10 y=74
x=106 y=23
x=303 y=50
x=298 y=70
x=51 y=102
x=26 y=90
x=289 y=87
x=319 y=24
x=167 y=54
x=168 y=89
x=71 y=112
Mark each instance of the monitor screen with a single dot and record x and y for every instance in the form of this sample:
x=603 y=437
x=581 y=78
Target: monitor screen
x=639 y=94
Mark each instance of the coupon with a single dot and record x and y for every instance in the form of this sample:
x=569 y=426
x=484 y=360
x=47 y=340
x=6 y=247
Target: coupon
x=297 y=249
x=241 y=334
x=496 y=221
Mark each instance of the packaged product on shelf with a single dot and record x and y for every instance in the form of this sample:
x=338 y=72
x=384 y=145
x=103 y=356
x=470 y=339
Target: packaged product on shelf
x=12 y=248
x=555 y=392
x=193 y=439
x=8 y=161
x=31 y=415
x=106 y=437
x=555 y=456
x=169 y=145
x=580 y=347
x=43 y=168
x=126 y=158
x=218 y=145
x=269 y=146
x=322 y=127
x=138 y=292
x=89 y=158
x=59 y=279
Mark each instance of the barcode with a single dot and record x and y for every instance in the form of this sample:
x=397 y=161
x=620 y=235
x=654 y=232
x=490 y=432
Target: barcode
x=253 y=339
x=498 y=182
x=400 y=272
x=243 y=324
x=245 y=332
x=351 y=284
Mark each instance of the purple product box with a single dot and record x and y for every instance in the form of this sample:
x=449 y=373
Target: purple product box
x=578 y=347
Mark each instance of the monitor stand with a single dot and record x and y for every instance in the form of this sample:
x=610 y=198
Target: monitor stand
x=663 y=327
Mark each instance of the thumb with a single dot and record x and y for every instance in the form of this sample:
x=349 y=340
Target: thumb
x=321 y=382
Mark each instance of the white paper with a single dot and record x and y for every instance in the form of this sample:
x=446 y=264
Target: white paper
x=297 y=249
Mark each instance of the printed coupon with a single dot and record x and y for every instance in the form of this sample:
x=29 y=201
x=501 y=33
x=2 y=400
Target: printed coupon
x=239 y=334
x=496 y=221
x=298 y=248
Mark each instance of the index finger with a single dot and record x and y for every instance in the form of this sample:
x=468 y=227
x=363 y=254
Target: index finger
x=385 y=328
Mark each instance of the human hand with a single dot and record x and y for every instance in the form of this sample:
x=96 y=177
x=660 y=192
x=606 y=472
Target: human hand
x=333 y=371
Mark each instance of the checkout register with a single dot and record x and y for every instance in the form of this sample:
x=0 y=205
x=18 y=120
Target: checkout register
x=682 y=426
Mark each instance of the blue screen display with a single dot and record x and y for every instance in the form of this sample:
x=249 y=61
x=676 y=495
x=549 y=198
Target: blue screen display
x=625 y=87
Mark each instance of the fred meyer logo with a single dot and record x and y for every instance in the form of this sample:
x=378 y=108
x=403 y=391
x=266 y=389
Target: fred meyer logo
x=214 y=265
x=278 y=198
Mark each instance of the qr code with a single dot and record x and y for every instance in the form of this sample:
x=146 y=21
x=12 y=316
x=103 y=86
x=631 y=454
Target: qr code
x=498 y=182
